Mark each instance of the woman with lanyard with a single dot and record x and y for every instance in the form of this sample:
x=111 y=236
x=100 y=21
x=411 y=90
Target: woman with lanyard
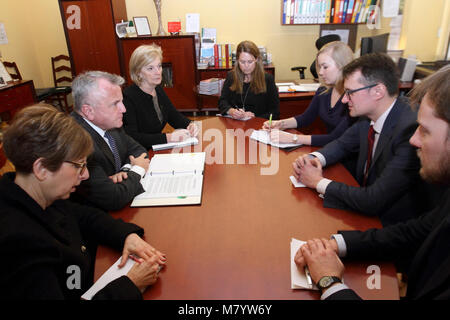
x=248 y=91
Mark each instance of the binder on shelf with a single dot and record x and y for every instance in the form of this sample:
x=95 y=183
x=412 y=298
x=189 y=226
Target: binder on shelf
x=172 y=179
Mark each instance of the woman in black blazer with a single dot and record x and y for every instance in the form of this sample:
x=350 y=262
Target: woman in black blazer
x=148 y=107
x=248 y=91
x=48 y=243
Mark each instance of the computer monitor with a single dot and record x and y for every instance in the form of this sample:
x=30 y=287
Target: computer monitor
x=374 y=44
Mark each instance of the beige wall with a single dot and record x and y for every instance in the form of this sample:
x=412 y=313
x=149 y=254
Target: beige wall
x=256 y=20
x=35 y=32
x=425 y=29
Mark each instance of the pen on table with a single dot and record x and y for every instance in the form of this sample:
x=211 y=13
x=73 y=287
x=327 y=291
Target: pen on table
x=308 y=276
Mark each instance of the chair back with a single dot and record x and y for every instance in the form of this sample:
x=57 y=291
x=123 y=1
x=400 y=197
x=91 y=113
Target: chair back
x=13 y=70
x=62 y=70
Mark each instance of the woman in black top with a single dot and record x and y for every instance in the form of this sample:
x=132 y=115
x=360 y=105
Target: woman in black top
x=148 y=107
x=48 y=242
x=248 y=91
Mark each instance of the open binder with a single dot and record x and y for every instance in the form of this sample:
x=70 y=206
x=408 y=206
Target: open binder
x=172 y=179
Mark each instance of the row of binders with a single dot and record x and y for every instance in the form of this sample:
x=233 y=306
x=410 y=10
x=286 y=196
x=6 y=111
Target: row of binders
x=223 y=55
x=328 y=11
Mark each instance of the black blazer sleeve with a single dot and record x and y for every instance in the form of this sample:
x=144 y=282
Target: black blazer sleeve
x=141 y=120
x=226 y=100
x=394 y=172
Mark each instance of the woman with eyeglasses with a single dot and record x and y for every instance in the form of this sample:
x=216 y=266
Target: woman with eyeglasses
x=326 y=103
x=149 y=108
x=48 y=242
x=248 y=91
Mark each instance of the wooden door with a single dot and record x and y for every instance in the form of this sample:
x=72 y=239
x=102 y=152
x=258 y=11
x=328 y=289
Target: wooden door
x=90 y=34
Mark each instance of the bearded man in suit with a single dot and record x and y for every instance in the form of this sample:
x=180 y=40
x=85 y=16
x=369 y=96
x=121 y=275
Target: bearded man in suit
x=424 y=241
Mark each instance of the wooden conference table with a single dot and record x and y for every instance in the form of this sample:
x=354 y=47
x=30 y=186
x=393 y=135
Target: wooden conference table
x=236 y=244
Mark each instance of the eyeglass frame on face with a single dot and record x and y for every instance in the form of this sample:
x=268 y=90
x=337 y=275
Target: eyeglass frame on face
x=348 y=93
x=79 y=165
x=246 y=63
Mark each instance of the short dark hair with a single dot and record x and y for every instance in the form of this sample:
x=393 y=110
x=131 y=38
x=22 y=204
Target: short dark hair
x=437 y=86
x=375 y=68
x=41 y=131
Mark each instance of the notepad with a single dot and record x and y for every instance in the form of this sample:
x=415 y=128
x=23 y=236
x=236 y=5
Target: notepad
x=264 y=137
x=172 y=179
x=228 y=116
x=298 y=277
x=296 y=183
x=113 y=273
x=170 y=145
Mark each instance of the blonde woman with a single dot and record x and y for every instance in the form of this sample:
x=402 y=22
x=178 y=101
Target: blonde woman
x=149 y=108
x=326 y=104
x=248 y=91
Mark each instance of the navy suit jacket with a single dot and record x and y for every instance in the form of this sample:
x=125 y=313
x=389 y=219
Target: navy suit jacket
x=424 y=241
x=393 y=190
x=99 y=190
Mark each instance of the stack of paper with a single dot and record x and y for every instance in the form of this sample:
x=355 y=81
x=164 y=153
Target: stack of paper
x=305 y=87
x=211 y=86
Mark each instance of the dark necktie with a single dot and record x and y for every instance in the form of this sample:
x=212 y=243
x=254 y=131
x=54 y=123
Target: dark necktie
x=115 y=152
x=370 y=141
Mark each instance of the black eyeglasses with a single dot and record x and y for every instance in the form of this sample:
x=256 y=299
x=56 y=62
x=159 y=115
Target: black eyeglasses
x=79 y=165
x=348 y=93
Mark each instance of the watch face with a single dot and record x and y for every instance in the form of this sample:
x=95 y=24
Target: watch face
x=325 y=282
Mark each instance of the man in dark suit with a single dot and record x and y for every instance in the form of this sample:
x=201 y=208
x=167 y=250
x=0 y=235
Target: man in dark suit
x=387 y=166
x=424 y=241
x=118 y=162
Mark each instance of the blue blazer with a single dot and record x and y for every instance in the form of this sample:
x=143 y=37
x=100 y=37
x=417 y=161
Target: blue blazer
x=393 y=190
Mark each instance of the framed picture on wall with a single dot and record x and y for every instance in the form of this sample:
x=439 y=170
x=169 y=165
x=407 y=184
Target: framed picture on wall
x=142 y=26
x=4 y=73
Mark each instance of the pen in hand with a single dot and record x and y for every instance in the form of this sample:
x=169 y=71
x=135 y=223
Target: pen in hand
x=308 y=277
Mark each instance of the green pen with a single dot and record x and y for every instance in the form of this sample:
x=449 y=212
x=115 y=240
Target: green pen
x=270 y=122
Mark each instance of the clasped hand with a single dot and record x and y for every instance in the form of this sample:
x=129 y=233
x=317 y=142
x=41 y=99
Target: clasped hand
x=320 y=255
x=148 y=261
x=308 y=170
x=237 y=113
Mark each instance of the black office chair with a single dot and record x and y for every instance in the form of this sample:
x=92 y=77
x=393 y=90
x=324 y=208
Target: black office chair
x=319 y=44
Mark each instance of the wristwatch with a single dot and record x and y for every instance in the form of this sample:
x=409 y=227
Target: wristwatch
x=326 y=282
x=294 y=138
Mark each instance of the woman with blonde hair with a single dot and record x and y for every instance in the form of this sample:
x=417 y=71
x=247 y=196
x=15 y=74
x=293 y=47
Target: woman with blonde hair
x=326 y=103
x=149 y=108
x=248 y=91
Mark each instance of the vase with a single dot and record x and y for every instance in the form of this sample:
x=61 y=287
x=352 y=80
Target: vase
x=161 y=31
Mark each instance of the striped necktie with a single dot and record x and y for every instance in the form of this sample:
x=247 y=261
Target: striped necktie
x=115 y=152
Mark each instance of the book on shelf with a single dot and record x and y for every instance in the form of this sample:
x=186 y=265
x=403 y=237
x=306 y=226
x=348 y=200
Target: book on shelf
x=327 y=11
x=172 y=179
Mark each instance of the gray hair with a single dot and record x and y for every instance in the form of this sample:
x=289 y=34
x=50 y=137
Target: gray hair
x=85 y=86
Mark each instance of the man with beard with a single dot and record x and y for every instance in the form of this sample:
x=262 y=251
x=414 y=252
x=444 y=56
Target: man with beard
x=424 y=241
